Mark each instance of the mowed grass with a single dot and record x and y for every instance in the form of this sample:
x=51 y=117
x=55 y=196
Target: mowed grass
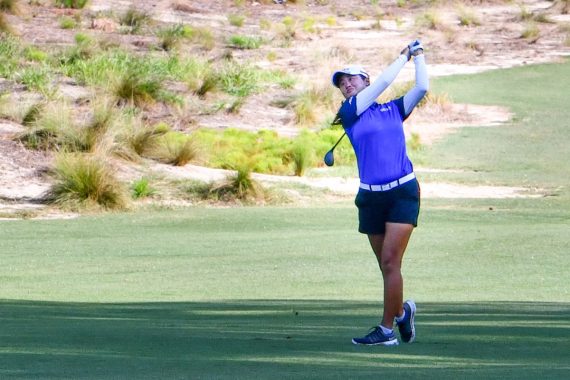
x=278 y=292
x=531 y=150
x=238 y=293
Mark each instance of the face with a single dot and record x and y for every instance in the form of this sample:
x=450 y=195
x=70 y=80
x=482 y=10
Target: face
x=351 y=85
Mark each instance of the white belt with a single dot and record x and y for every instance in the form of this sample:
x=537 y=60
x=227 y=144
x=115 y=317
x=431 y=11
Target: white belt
x=388 y=186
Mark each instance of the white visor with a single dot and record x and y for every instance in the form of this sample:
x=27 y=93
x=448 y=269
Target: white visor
x=349 y=70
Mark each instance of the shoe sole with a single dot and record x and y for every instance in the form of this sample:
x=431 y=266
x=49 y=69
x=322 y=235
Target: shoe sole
x=412 y=305
x=387 y=343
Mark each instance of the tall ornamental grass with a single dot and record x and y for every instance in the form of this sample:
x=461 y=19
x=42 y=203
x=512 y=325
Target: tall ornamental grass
x=86 y=182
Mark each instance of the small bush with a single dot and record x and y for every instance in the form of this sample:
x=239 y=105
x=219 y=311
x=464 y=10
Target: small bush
x=531 y=32
x=468 y=17
x=53 y=130
x=441 y=100
x=75 y=4
x=198 y=75
x=525 y=14
x=309 y=25
x=245 y=42
x=37 y=78
x=67 y=23
x=309 y=105
x=240 y=186
x=175 y=148
x=84 y=181
x=236 y=20
x=136 y=139
x=238 y=79
x=286 y=30
x=430 y=20
x=33 y=113
x=170 y=37
x=9 y=6
x=201 y=36
x=12 y=109
x=543 y=18
x=141 y=189
x=136 y=87
x=265 y=24
x=302 y=154
x=85 y=48
x=34 y=54
x=414 y=143
x=100 y=123
x=134 y=20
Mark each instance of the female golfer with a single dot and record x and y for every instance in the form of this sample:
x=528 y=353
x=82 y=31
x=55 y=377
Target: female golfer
x=388 y=200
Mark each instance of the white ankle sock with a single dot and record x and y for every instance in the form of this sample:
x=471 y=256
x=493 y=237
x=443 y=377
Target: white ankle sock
x=386 y=330
x=401 y=318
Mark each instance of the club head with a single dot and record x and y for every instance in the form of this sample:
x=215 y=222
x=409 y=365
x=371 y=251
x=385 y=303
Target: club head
x=329 y=158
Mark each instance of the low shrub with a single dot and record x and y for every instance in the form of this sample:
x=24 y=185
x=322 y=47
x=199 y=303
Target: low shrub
x=136 y=88
x=236 y=20
x=67 y=23
x=312 y=104
x=239 y=186
x=10 y=6
x=136 y=139
x=430 y=19
x=238 y=79
x=86 y=182
x=175 y=148
x=302 y=153
x=100 y=122
x=141 y=189
x=53 y=130
x=245 y=42
x=531 y=32
x=170 y=36
x=134 y=20
x=74 y=4
x=468 y=17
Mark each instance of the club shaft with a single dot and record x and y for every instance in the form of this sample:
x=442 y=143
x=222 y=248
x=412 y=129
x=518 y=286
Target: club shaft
x=339 y=140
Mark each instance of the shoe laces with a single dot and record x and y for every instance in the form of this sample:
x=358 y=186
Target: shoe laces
x=375 y=330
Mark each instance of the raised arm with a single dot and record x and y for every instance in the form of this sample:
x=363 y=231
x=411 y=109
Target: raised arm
x=413 y=97
x=368 y=96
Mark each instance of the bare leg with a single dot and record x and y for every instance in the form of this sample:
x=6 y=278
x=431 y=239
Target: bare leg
x=389 y=249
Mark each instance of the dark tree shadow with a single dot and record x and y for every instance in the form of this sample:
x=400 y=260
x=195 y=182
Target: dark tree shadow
x=278 y=339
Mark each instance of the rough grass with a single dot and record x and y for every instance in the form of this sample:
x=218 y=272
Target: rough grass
x=175 y=148
x=84 y=182
x=239 y=186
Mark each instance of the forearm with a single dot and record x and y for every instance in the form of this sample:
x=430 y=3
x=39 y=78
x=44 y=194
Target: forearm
x=369 y=95
x=413 y=97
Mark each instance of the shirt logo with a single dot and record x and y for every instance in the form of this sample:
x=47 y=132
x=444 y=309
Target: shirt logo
x=385 y=109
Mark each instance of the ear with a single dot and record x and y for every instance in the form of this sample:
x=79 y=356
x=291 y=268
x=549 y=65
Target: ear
x=367 y=81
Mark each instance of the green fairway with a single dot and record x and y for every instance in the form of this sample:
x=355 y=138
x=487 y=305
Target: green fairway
x=279 y=292
x=278 y=339
x=237 y=293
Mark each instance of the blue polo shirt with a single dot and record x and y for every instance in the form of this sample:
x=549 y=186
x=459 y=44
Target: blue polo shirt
x=377 y=136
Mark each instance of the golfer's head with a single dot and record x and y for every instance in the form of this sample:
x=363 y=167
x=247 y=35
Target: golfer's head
x=351 y=80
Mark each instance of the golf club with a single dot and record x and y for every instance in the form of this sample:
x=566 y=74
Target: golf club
x=329 y=157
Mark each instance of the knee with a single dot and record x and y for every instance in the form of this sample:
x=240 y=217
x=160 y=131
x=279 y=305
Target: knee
x=390 y=264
